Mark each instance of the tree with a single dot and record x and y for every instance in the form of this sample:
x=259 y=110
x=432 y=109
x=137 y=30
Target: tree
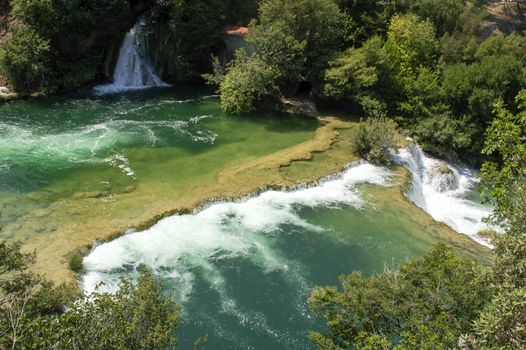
x=290 y=43
x=353 y=72
x=248 y=82
x=426 y=304
x=36 y=314
x=501 y=324
x=24 y=58
x=374 y=138
x=412 y=43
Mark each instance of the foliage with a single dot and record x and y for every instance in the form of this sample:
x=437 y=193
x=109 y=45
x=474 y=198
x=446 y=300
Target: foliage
x=36 y=314
x=353 y=72
x=426 y=304
x=290 y=43
x=24 y=58
x=444 y=14
x=501 y=324
x=374 y=138
x=412 y=43
x=248 y=81
x=505 y=181
x=135 y=317
x=75 y=263
x=184 y=36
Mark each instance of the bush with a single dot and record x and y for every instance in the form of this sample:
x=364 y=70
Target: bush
x=75 y=263
x=374 y=138
x=248 y=82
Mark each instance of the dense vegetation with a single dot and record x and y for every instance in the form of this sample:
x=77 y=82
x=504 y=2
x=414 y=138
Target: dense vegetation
x=61 y=44
x=430 y=65
x=36 y=314
x=440 y=301
x=427 y=64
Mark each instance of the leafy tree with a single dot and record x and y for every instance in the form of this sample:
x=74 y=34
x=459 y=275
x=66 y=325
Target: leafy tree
x=184 y=36
x=444 y=14
x=364 y=19
x=353 y=72
x=246 y=85
x=426 y=304
x=412 y=43
x=290 y=43
x=24 y=58
x=42 y=15
x=314 y=22
x=36 y=314
x=501 y=324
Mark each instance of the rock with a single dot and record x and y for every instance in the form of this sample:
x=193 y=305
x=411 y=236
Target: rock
x=298 y=106
x=87 y=195
x=443 y=178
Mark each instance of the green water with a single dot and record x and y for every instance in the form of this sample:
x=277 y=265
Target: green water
x=151 y=146
x=243 y=271
x=73 y=166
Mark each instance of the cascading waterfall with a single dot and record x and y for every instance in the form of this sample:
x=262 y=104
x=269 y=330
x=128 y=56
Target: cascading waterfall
x=134 y=69
x=441 y=189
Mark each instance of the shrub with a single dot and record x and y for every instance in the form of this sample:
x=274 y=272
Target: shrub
x=248 y=82
x=373 y=139
x=75 y=263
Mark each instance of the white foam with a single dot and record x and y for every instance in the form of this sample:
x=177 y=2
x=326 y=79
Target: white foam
x=181 y=243
x=92 y=143
x=441 y=189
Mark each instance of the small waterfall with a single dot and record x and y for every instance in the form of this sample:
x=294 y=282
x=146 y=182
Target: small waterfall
x=134 y=69
x=442 y=190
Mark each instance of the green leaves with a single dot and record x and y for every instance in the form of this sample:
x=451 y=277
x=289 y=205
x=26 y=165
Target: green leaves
x=374 y=138
x=36 y=314
x=24 y=58
x=290 y=43
x=427 y=304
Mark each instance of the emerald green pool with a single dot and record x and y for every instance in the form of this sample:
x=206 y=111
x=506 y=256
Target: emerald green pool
x=57 y=153
x=72 y=166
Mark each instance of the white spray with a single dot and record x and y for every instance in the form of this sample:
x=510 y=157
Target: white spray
x=441 y=188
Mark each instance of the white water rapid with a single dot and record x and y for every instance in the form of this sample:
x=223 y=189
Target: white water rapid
x=442 y=190
x=179 y=244
x=134 y=69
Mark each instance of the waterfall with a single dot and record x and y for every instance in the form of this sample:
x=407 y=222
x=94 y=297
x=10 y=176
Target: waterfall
x=134 y=69
x=442 y=189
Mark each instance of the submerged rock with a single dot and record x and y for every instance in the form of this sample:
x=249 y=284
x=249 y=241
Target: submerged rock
x=443 y=178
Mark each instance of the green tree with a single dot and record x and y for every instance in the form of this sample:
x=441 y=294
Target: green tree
x=427 y=304
x=290 y=43
x=501 y=324
x=444 y=14
x=373 y=139
x=412 y=43
x=24 y=59
x=42 y=15
x=36 y=314
x=248 y=82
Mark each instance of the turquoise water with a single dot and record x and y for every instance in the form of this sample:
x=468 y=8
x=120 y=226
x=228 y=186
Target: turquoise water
x=74 y=166
x=158 y=143
x=243 y=271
